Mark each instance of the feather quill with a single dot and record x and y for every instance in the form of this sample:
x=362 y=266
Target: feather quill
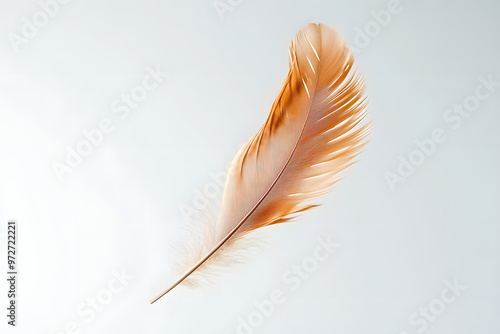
x=312 y=134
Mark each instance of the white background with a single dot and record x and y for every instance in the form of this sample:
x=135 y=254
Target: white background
x=119 y=209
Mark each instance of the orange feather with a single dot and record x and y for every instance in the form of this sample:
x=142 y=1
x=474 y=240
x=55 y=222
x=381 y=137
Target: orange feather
x=312 y=134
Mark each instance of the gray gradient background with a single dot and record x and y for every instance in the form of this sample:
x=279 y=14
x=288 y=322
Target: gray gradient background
x=120 y=207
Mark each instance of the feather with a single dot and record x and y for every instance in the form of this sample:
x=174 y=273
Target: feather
x=312 y=134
